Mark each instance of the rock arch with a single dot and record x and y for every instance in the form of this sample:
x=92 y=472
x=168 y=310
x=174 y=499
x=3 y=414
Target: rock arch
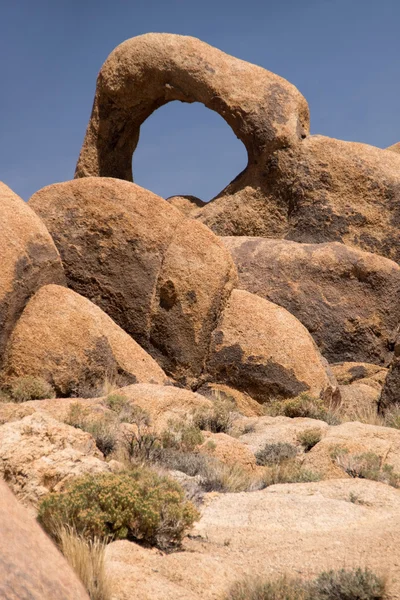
x=264 y=111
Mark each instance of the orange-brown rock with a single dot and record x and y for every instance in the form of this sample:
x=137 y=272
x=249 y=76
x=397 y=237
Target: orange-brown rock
x=186 y=204
x=164 y=403
x=350 y=372
x=38 y=454
x=348 y=299
x=320 y=190
x=31 y=567
x=228 y=450
x=264 y=111
x=244 y=404
x=67 y=340
x=394 y=148
x=29 y=259
x=301 y=529
x=164 y=279
x=259 y=347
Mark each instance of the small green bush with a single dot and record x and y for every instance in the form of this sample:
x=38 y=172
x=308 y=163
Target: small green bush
x=103 y=428
x=116 y=402
x=288 y=472
x=353 y=584
x=181 y=435
x=138 y=505
x=392 y=418
x=217 y=419
x=309 y=438
x=303 y=405
x=368 y=465
x=275 y=454
x=27 y=388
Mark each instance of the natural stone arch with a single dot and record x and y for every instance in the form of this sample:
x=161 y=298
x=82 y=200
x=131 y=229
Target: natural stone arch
x=264 y=111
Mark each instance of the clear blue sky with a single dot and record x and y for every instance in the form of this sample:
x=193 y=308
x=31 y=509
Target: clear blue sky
x=343 y=55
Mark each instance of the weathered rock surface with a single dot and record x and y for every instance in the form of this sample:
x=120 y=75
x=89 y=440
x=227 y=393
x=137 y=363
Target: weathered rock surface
x=359 y=399
x=264 y=111
x=164 y=403
x=348 y=299
x=394 y=148
x=301 y=529
x=39 y=454
x=320 y=190
x=29 y=259
x=186 y=204
x=350 y=372
x=262 y=349
x=31 y=567
x=244 y=404
x=162 y=278
x=65 y=339
x=273 y=430
x=228 y=450
x=357 y=438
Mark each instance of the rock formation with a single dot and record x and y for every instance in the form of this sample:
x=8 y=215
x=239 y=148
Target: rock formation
x=348 y=299
x=68 y=341
x=30 y=565
x=29 y=259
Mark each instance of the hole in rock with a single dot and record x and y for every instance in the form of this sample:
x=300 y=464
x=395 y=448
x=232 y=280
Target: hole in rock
x=187 y=149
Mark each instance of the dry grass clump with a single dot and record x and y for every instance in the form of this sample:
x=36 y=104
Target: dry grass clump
x=104 y=428
x=342 y=584
x=367 y=465
x=275 y=454
x=309 y=438
x=86 y=557
x=288 y=472
x=139 y=505
x=23 y=389
x=219 y=418
x=304 y=405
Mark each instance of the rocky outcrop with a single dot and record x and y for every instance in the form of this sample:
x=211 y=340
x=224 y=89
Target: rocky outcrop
x=354 y=438
x=349 y=300
x=321 y=190
x=264 y=111
x=38 y=454
x=186 y=204
x=351 y=372
x=394 y=148
x=164 y=403
x=30 y=565
x=65 y=339
x=262 y=349
x=301 y=529
x=29 y=259
x=162 y=278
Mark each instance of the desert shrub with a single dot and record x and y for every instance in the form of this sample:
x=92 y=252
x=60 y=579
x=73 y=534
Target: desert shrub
x=138 y=505
x=219 y=418
x=309 y=438
x=181 y=435
x=22 y=389
x=354 y=584
x=274 y=454
x=392 y=418
x=191 y=463
x=86 y=557
x=337 y=450
x=103 y=428
x=283 y=588
x=288 y=472
x=368 y=465
x=303 y=405
x=140 y=441
x=116 y=402
x=342 y=584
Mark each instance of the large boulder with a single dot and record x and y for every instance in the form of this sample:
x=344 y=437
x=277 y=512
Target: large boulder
x=29 y=259
x=264 y=111
x=38 y=454
x=68 y=341
x=320 y=190
x=298 y=529
x=348 y=299
x=163 y=278
x=259 y=347
x=31 y=567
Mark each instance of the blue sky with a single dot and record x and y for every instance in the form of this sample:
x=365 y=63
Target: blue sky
x=343 y=55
